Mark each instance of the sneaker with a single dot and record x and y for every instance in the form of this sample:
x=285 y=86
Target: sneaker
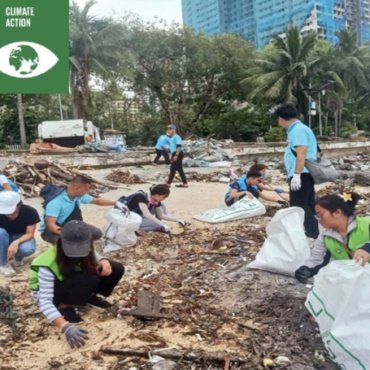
x=70 y=314
x=99 y=302
x=18 y=263
x=7 y=270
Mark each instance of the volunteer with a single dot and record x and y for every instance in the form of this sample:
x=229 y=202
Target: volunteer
x=177 y=156
x=345 y=236
x=71 y=274
x=17 y=231
x=151 y=208
x=264 y=185
x=246 y=185
x=64 y=206
x=162 y=148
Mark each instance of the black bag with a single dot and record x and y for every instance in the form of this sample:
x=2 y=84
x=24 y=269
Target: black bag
x=321 y=169
x=49 y=192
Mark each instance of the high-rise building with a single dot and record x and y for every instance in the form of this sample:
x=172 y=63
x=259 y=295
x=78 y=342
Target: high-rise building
x=261 y=20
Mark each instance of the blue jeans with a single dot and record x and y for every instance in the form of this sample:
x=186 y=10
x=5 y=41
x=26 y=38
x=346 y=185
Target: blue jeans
x=25 y=249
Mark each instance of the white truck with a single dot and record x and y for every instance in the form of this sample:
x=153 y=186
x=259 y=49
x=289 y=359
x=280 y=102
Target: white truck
x=68 y=133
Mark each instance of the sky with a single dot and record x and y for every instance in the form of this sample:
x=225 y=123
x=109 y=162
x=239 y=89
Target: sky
x=148 y=10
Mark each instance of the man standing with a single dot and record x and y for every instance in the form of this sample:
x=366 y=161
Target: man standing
x=302 y=145
x=65 y=206
x=177 y=155
x=17 y=231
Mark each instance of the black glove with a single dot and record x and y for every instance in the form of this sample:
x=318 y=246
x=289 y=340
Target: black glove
x=303 y=274
x=75 y=335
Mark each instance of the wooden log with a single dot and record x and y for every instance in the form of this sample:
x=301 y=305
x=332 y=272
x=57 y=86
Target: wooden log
x=173 y=354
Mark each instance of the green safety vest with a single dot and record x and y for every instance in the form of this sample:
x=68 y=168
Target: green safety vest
x=46 y=259
x=356 y=239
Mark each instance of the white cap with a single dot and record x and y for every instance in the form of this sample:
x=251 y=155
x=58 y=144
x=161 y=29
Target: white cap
x=8 y=202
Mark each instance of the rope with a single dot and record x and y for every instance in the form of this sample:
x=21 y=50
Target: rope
x=6 y=309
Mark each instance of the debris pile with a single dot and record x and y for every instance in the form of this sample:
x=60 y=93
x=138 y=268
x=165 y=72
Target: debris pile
x=216 y=314
x=124 y=177
x=203 y=152
x=31 y=177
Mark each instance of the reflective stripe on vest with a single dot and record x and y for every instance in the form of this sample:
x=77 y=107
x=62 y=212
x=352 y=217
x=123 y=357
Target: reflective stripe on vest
x=357 y=238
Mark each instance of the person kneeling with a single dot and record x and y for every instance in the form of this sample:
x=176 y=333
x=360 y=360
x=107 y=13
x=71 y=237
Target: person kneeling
x=70 y=274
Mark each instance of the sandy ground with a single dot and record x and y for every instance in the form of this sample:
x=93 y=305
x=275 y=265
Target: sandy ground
x=42 y=347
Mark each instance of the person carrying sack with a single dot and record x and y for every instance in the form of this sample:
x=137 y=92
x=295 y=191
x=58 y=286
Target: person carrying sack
x=63 y=204
x=302 y=142
x=71 y=274
x=345 y=236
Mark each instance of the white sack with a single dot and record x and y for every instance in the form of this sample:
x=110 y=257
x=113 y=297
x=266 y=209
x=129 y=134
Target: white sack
x=286 y=247
x=241 y=209
x=119 y=232
x=340 y=303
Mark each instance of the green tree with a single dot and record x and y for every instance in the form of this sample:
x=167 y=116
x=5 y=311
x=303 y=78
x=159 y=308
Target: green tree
x=187 y=73
x=281 y=72
x=96 y=46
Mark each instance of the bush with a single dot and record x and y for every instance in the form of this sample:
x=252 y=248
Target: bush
x=275 y=134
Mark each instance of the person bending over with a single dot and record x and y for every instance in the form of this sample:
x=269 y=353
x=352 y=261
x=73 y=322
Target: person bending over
x=345 y=236
x=7 y=184
x=71 y=274
x=65 y=206
x=151 y=208
x=246 y=185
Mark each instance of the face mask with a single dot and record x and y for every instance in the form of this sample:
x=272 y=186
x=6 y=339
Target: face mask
x=266 y=175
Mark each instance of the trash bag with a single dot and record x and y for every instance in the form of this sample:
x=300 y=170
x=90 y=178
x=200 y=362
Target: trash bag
x=340 y=303
x=119 y=232
x=286 y=247
x=244 y=208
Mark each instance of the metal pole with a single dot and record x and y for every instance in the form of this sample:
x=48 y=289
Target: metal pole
x=60 y=107
x=320 y=122
x=309 y=111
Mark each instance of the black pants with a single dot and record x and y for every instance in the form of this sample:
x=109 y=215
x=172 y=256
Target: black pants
x=177 y=166
x=305 y=199
x=165 y=154
x=77 y=289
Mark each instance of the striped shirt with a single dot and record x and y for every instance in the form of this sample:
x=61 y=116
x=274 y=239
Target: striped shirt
x=45 y=295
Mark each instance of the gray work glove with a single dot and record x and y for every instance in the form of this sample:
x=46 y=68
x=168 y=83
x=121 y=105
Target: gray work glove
x=122 y=207
x=166 y=229
x=75 y=335
x=182 y=223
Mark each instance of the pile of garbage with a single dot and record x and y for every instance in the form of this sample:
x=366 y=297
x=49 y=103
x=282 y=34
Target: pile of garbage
x=31 y=177
x=124 y=177
x=216 y=314
x=203 y=152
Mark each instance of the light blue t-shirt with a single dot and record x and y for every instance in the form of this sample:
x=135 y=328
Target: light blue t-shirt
x=62 y=206
x=175 y=141
x=299 y=135
x=163 y=142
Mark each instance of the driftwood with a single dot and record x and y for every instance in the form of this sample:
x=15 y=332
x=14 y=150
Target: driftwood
x=174 y=354
x=31 y=177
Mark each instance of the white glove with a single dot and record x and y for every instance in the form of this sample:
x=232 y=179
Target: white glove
x=295 y=183
x=166 y=229
x=182 y=223
x=122 y=207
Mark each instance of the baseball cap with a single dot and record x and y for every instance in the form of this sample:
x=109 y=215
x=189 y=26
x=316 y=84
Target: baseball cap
x=76 y=237
x=172 y=126
x=8 y=202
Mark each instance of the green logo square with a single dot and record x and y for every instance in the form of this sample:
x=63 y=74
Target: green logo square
x=34 y=46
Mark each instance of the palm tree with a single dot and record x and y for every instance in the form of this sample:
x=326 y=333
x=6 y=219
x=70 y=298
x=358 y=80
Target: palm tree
x=281 y=73
x=95 y=50
x=22 y=129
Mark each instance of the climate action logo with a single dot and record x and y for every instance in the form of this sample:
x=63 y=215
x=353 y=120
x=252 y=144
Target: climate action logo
x=25 y=59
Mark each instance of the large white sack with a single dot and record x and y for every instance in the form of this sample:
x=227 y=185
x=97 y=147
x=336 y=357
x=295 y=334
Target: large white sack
x=286 y=247
x=241 y=209
x=340 y=303
x=119 y=232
